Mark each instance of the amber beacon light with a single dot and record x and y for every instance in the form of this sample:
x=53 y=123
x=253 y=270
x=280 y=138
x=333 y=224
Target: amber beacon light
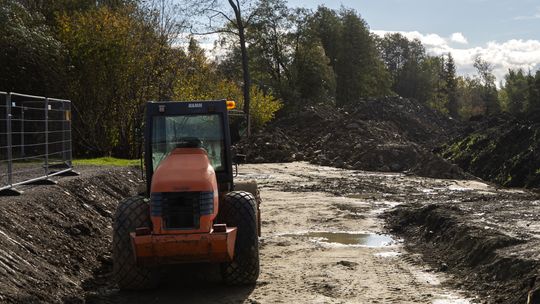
x=231 y=104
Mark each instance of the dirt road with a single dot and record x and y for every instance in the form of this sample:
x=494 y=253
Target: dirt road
x=317 y=247
x=354 y=264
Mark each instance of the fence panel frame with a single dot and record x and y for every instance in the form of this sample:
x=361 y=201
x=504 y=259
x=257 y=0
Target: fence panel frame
x=66 y=153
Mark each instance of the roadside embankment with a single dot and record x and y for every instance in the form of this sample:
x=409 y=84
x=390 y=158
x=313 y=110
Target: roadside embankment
x=54 y=237
x=487 y=238
x=503 y=149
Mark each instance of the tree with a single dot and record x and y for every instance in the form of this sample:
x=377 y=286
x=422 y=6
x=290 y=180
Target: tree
x=353 y=54
x=470 y=96
x=120 y=60
x=394 y=50
x=489 y=89
x=313 y=77
x=517 y=90
x=451 y=87
x=534 y=92
x=403 y=59
x=32 y=59
x=326 y=25
x=270 y=36
x=360 y=70
x=231 y=21
x=414 y=74
x=432 y=84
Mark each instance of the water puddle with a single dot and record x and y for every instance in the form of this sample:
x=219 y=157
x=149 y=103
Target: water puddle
x=387 y=254
x=349 y=238
x=450 y=299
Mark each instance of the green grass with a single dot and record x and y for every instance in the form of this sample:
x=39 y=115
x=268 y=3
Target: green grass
x=107 y=161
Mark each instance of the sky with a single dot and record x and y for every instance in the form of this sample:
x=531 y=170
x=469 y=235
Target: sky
x=506 y=33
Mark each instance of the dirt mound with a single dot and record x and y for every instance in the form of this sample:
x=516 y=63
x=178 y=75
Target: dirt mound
x=270 y=146
x=503 y=149
x=498 y=262
x=412 y=120
x=390 y=134
x=53 y=237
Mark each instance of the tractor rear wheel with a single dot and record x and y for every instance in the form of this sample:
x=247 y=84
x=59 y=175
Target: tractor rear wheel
x=239 y=209
x=252 y=187
x=131 y=213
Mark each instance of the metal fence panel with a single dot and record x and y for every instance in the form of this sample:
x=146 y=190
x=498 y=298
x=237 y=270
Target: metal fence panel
x=35 y=138
x=4 y=176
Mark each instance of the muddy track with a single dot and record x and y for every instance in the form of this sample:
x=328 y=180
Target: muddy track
x=56 y=241
x=300 y=267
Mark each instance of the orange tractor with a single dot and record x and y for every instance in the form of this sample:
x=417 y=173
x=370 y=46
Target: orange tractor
x=191 y=211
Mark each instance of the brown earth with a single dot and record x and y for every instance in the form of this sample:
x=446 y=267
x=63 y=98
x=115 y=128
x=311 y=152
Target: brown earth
x=487 y=237
x=297 y=199
x=464 y=241
x=389 y=134
x=504 y=149
x=52 y=237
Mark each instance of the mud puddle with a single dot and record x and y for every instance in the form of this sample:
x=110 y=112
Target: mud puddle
x=348 y=238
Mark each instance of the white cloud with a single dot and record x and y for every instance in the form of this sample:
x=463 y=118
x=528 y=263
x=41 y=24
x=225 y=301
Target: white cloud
x=511 y=54
x=458 y=38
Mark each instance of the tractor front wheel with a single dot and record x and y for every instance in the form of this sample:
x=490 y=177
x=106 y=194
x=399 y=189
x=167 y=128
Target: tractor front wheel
x=131 y=214
x=239 y=209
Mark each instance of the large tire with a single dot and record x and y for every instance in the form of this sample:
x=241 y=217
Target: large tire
x=252 y=187
x=131 y=213
x=239 y=209
x=249 y=186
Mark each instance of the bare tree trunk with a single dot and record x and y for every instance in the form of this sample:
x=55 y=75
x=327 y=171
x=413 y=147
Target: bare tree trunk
x=245 y=62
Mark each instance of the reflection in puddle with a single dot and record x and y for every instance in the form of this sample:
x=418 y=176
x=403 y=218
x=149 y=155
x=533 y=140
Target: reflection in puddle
x=349 y=238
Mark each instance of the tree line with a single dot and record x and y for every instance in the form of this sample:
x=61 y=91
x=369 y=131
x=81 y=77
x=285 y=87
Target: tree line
x=111 y=56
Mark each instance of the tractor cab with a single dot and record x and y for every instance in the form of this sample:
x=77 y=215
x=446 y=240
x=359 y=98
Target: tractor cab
x=177 y=125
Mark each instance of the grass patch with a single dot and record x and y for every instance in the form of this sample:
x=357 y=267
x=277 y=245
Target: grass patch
x=107 y=161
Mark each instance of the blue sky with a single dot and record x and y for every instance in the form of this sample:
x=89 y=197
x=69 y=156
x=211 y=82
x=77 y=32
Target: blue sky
x=505 y=33
x=480 y=21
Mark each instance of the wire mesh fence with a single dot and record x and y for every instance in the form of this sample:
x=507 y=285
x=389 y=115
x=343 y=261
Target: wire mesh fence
x=35 y=139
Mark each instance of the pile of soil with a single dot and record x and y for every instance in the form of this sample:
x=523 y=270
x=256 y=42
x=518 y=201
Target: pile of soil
x=389 y=134
x=53 y=237
x=488 y=240
x=503 y=149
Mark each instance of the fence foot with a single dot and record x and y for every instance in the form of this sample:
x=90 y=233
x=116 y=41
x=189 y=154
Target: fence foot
x=69 y=173
x=10 y=192
x=42 y=182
